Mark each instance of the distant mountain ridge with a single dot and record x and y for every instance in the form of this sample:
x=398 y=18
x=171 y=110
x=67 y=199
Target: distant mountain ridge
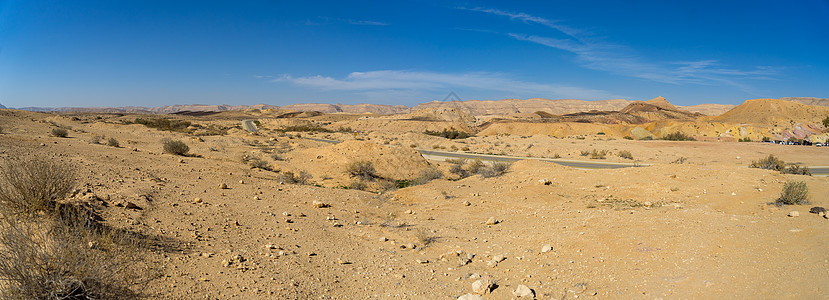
x=471 y=107
x=2 y=107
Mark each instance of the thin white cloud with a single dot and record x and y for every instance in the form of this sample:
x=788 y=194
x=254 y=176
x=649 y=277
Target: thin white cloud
x=327 y=20
x=594 y=53
x=396 y=80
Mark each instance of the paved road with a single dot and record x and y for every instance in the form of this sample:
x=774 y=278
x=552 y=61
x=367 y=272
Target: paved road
x=441 y=155
x=249 y=125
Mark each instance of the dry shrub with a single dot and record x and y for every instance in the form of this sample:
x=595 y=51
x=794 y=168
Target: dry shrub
x=112 y=142
x=596 y=154
x=773 y=163
x=794 y=193
x=33 y=185
x=65 y=258
x=496 y=169
x=426 y=175
x=289 y=177
x=625 y=154
x=50 y=250
x=60 y=132
x=95 y=139
x=364 y=170
x=175 y=147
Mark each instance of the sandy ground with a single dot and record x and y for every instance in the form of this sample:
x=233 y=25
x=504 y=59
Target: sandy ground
x=702 y=229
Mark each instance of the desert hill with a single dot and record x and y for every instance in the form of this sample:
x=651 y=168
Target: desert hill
x=510 y=106
x=773 y=112
x=808 y=100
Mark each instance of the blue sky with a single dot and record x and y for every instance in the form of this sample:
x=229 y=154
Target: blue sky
x=152 y=53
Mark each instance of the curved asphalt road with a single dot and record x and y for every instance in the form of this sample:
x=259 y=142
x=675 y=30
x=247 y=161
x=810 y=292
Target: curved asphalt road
x=441 y=155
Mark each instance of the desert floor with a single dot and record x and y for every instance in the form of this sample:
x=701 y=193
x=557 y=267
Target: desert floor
x=700 y=229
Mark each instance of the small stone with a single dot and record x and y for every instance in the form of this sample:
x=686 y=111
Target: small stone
x=225 y=263
x=271 y=246
x=256 y=198
x=223 y=186
x=499 y=258
x=320 y=204
x=408 y=246
x=197 y=200
x=482 y=286
x=794 y=213
x=242 y=181
x=409 y=212
x=131 y=205
x=817 y=210
x=208 y=255
x=422 y=261
x=383 y=239
x=492 y=221
x=546 y=248
x=470 y=297
x=545 y=181
x=466 y=203
x=474 y=276
x=523 y=291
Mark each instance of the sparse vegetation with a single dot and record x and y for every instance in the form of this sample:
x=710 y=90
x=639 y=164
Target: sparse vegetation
x=313 y=128
x=794 y=193
x=773 y=163
x=50 y=250
x=450 y=133
x=163 y=124
x=59 y=132
x=745 y=140
x=176 y=147
x=625 y=154
x=680 y=160
x=426 y=175
x=1 y=129
x=112 y=142
x=95 y=139
x=826 y=122
x=290 y=177
x=678 y=136
x=494 y=170
x=257 y=163
x=595 y=154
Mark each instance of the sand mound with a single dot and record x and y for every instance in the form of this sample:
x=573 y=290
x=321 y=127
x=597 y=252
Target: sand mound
x=332 y=161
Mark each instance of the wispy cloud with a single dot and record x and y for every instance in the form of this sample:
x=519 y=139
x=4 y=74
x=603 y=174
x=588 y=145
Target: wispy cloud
x=396 y=80
x=327 y=20
x=595 y=53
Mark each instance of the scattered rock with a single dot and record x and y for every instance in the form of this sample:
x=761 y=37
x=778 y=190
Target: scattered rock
x=492 y=221
x=197 y=200
x=383 y=239
x=523 y=291
x=545 y=181
x=546 y=248
x=223 y=186
x=794 y=213
x=256 y=198
x=131 y=205
x=408 y=246
x=466 y=203
x=422 y=261
x=320 y=204
x=242 y=181
x=482 y=286
x=225 y=263
x=817 y=210
x=470 y=297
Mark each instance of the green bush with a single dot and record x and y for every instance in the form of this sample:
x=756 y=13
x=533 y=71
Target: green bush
x=450 y=133
x=595 y=154
x=826 y=122
x=745 y=140
x=176 y=147
x=794 y=193
x=678 y=136
x=60 y=132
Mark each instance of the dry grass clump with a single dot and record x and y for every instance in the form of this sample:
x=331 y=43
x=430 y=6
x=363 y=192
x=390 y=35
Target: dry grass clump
x=59 y=132
x=426 y=175
x=494 y=170
x=794 y=193
x=678 y=136
x=773 y=163
x=175 y=147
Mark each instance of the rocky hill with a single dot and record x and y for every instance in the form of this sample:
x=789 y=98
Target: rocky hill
x=808 y=100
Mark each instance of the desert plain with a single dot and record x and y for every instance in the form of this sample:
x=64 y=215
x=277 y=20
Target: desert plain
x=315 y=204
